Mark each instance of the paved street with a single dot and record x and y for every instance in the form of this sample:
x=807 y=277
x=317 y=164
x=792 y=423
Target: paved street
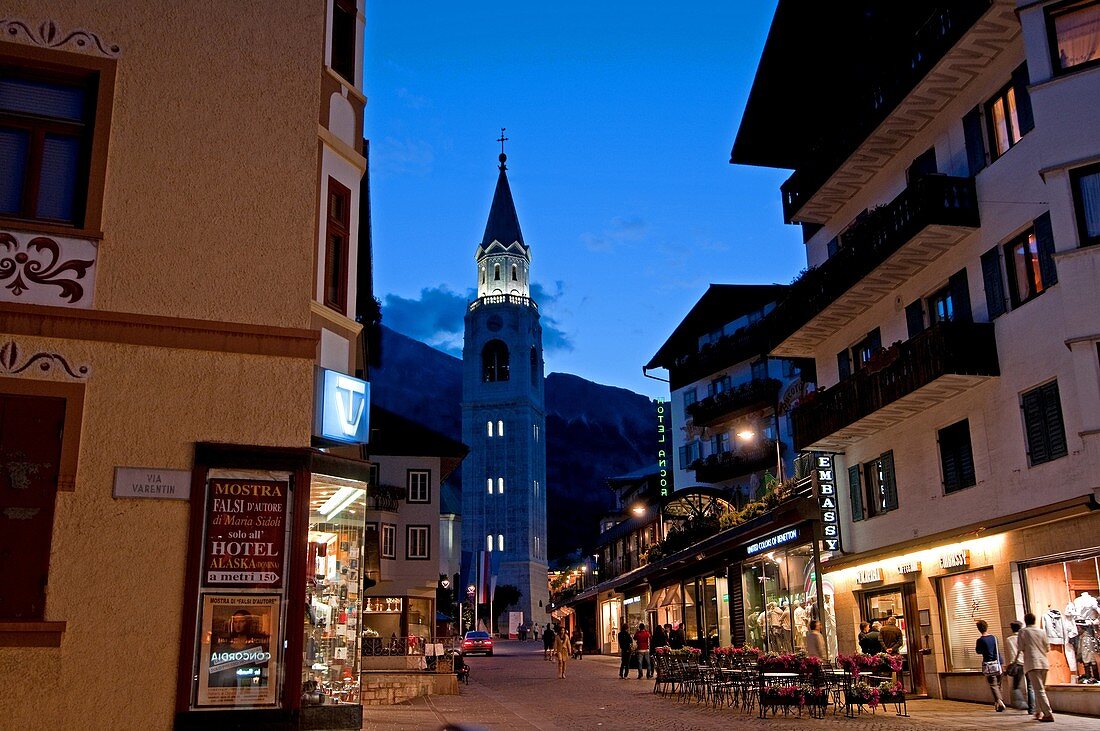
x=517 y=689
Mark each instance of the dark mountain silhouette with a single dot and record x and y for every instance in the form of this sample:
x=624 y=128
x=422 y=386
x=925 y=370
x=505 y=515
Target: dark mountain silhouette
x=593 y=431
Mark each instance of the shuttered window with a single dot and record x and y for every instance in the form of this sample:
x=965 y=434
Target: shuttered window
x=337 y=243
x=1086 y=203
x=914 y=318
x=856 y=492
x=966 y=599
x=994 y=283
x=1029 y=260
x=975 y=140
x=1043 y=425
x=880 y=485
x=956 y=457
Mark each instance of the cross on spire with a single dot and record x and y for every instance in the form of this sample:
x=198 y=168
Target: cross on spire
x=503 y=158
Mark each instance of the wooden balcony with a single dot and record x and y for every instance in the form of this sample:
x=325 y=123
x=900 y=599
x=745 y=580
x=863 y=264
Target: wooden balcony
x=755 y=394
x=728 y=465
x=943 y=57
x=901 y=381
x=886 y=248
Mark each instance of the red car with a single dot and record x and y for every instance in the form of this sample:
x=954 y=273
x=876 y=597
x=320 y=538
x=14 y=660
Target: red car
x=477 y=642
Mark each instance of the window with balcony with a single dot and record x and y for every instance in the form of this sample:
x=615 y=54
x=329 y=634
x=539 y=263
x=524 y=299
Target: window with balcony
x=1043 y=425
x=53 y=135
x=418 y=542
x=1086 y=200
x=956 y=457
x=419 y=486
x=389 y=540
x=1074 y=30
x=1029 y=262
x=720 y=443
x=1003 y=121
x=343 y=39
x=690 y=397
x=337 y=243
x=690 y=453
x=872 y=487
x=718 y=385
x=859 y=355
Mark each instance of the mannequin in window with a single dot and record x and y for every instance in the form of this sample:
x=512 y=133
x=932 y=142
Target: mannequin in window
x=1087 y=621
x=1058 y=630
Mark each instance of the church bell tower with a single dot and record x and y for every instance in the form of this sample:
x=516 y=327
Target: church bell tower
x=503 y=421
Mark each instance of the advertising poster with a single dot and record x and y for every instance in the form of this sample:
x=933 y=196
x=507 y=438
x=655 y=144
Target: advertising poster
x=245 y=544
x=238 y=655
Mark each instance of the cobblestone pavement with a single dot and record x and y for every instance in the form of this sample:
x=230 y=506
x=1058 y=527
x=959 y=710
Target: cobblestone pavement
x=517 y=689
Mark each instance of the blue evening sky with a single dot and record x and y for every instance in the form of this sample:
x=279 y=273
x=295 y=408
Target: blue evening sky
x=621 y=116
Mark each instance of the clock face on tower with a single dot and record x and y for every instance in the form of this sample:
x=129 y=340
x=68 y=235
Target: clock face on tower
x=494 y=323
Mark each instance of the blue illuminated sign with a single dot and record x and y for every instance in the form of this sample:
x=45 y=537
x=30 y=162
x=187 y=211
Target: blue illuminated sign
x=772 y=541
x=343 y=406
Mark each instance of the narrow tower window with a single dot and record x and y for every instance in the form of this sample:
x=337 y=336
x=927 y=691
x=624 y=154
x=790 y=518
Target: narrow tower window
x=496 y=272
x=500 y=541
x=489 y=542
x=494 y=361
x=489 y=485
x=500 y=428
x=515 y=273
x=500 y=485
x=534 y=367
x=489 y=427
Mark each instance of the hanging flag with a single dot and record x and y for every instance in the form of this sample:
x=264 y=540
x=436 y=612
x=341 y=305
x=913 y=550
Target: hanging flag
x=484 y=571
x=494 y=569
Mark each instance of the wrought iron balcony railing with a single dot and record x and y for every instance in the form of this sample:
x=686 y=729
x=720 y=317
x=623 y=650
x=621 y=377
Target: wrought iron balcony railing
x=729 y=404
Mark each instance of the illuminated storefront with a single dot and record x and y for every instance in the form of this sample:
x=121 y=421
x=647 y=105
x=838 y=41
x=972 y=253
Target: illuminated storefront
x=936 y=594
x=275 y=568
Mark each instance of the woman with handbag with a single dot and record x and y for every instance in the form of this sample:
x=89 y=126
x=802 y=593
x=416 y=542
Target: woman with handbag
x=986 y=646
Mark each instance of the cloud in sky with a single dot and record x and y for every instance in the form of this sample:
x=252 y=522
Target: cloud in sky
x=413 y=101
x=436 y=317
x=402 y=156
x=622 y=229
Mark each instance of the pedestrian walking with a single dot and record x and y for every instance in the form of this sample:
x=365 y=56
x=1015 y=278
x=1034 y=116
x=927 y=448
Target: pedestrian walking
x=563 y=648
x=1015 y=670
x=578 y=643
x=641 y=641
x=986 y=646
x=626 y=643
x=1033 y=647
x=547 y=641
x=869 y=642
x=815 y=641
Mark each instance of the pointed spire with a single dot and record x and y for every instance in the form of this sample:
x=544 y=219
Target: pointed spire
x=503 y=223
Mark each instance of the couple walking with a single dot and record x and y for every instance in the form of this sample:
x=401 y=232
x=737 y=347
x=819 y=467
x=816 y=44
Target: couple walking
x=1026 y=660
x=638 y=644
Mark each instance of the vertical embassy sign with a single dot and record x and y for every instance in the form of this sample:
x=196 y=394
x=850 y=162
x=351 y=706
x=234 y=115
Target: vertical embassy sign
x=825 y=490
x=664 y=477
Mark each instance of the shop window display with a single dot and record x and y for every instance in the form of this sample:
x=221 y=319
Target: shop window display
x=1063 y=595
x=781 y=599
x=333 y=604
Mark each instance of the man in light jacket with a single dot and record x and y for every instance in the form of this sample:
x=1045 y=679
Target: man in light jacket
x=1034 y=646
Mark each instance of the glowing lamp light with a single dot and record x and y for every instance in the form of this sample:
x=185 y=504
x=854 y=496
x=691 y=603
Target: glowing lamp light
x=746 y=434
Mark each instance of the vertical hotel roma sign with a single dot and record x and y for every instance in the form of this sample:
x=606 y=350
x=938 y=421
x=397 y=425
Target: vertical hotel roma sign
x=824 y=477
x=664 y=476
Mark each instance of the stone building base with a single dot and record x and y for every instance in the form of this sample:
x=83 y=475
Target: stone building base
x=389 y=687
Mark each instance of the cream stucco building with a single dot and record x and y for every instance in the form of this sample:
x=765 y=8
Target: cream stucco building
x=179 y=233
